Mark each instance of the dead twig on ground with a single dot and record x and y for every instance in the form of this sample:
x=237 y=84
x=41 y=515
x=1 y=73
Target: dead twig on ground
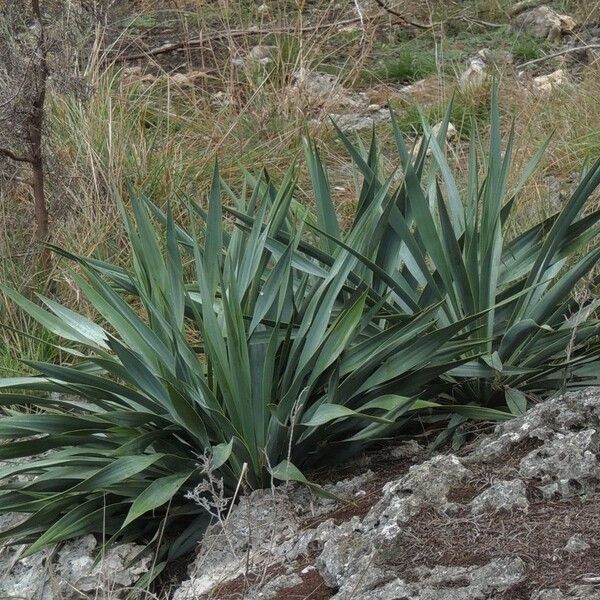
x=400 y=16
x=217 y=36
x=535 y=61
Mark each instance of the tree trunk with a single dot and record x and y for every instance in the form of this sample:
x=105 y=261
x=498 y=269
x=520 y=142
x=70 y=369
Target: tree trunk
x=36 y=125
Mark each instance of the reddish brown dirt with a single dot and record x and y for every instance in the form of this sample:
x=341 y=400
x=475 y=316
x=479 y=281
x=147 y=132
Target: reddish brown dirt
x=313 y=586
x=537 y=536
x=385 y=468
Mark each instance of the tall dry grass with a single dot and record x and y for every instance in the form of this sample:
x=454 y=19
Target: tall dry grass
x=161 y=135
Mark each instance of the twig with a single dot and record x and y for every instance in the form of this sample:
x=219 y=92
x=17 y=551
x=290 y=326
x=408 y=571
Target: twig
x=480 y=22
x=395 y=13
x=362 y=20
x=560 y=53
x=200 y=41
x=16 y=157
x=16 y=179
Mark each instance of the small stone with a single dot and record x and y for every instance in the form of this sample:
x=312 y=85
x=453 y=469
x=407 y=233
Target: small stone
x=451 y=136
x=361 y=120
x=407 y=449
x=132 y=75
x=261 y=54
x=567 y=461
x=544 y=84
x=495 y=57
x=221 y=99
x=312 y=88
x=577 y=544
x=425 y=91
x=506 y=495
x=474 y=76
x=188 y=78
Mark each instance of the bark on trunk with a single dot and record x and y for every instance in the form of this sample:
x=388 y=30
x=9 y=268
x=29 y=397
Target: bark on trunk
x=36 y=126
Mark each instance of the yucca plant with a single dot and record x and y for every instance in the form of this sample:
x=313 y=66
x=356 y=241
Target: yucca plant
x=240 y=359
x=449 y=247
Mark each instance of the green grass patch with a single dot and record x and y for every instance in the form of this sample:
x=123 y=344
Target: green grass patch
x=526 y=47
x=408 y=62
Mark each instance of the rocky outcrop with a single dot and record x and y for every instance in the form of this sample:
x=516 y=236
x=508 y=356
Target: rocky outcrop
x=509 y=517
x=72 y=572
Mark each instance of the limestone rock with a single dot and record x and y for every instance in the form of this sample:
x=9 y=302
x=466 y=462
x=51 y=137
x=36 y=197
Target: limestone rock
x=321 y=89
x=361 y=120
x=72 y=575
x=566 y=463
x=263 y=528
x=474 y=76
x=264 y=9
x=506 y=495
x=221 y=99
x=187 y=79
x=260 y=54
x=424 y=91
x=543 y=22
x=451 y=136
x=544 y=84
x=580 y=592
x=577 y=544
x=495 y=57
x=361 y=557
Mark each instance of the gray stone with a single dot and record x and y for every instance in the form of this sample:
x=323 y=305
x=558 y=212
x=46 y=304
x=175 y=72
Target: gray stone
x=317 y=89
x=439 y=583
x=545 y=84
x=264 y=528
x=408 y=449
x=574 y=411
x=261 y=54
x=577 y=544
x=563 y=459
x=506 y=495
x=474 y=76
x=580 y=592
x=25 y=578
x=75 y=565
x=348 y=488
x=495 y=57
x=350 y=555
x=71 y=574
x=424 y=484
x=451 y=136
x=361 y=120
x=543 y=22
